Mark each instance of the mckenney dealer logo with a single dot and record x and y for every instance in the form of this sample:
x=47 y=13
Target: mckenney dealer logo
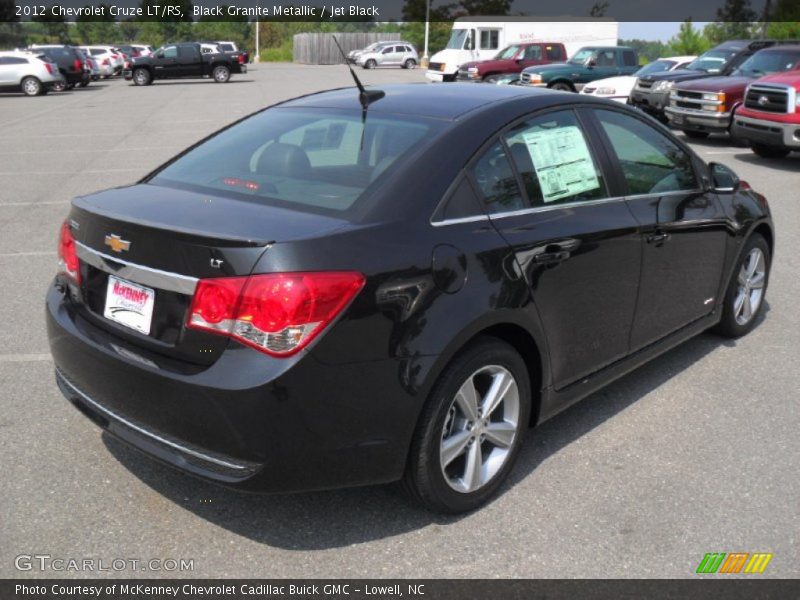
x=734 y=562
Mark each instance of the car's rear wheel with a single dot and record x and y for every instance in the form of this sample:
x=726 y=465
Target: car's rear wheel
x=31 y=86
x=410 y=64
x=561 y=86
x=370 y=64
x=471 y=429
x=765 y=151
x=491 y=78
x=221 y=74
x=59 y=86
x=141 y=77
x=744 y=298
x=696 y=135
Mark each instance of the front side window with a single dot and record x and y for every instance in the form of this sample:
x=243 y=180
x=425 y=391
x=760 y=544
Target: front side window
x=650 y=161
x=581 y=56
x=457 y=39
x=506 y=53
x=497 y=182
x=170 y=52
x=555 y=163
x=532 y=53
x=308 y=160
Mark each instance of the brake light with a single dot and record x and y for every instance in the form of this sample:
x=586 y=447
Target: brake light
x=241 y=59
x=68 y=263
x=49 y=68
x=77 y=65
x=106 y=62
x=276 y=313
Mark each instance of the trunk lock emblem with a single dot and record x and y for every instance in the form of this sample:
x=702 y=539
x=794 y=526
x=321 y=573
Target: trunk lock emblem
x=117 y=244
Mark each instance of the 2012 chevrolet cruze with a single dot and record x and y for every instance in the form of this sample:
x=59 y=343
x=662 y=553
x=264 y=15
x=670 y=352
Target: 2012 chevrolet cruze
x=335 y=293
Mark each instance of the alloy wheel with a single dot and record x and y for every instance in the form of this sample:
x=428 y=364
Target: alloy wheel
x=480 y=428
x=749 y=294
x=31 y=86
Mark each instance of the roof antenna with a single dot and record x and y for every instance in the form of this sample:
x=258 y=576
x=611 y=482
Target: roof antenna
x=365 y=96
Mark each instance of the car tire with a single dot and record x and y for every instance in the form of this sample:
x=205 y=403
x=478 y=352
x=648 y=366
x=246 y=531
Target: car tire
x=370 y=64
x=491 y=78
x=410 y=64
x=765 y=151
x=432 y=479
x=31 y=86
x=696 y=135
x=748 y=286
x=142 y=77
x=221 y=74
x=70 y=86
x=562 y=86
x=83 y=84
x=59 y=86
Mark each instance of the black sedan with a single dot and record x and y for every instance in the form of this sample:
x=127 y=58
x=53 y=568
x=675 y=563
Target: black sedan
x=335 y=293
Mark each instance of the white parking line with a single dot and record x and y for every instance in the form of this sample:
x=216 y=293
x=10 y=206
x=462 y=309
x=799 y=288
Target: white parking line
x=45 y=202
x=17 y=173
x=13 y=254
x=14 y=358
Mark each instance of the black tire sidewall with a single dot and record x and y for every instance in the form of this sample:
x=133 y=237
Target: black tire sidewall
x=424 y=472
x=728 y=326
x=563 y=87
x=147 y=79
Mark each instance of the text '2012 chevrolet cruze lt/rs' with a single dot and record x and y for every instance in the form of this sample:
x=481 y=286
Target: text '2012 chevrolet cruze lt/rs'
x=349 y=289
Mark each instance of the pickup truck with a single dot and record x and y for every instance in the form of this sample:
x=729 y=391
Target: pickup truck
x=178 y=61
x=651 y=93
x=704 y=106
x=587 y=64
x=512 y=59
x=769 y=117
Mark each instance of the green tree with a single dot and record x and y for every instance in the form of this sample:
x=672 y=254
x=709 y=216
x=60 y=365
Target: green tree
x=55 y=27
x=11 y=33
x=688 y=41
x=649 y=50
x=96 y=30
x=735 y=20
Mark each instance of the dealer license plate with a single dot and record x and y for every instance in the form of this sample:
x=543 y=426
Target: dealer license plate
x=129 y=304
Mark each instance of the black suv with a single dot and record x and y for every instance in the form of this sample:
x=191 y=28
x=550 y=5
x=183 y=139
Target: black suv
x=651 y=92
x=69 y=62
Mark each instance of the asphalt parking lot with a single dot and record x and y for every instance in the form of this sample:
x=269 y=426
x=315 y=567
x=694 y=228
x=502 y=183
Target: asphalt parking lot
x=696 y=452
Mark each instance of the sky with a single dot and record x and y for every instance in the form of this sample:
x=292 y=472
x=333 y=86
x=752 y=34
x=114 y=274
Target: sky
x=651 y=31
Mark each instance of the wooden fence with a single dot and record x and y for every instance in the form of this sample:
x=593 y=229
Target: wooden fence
x=320 y=49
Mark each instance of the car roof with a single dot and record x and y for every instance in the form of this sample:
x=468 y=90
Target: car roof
x=440 y=101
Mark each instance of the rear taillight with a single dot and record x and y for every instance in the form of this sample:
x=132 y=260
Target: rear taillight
x=49 y=68
x=276 y=313
x=106 y=62
x=68 y=263
x=241 y=59
x=77 y=65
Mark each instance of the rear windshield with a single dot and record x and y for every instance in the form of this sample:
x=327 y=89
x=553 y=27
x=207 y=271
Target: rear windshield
x=713 y=61
x=226 y=47
x=306 y=159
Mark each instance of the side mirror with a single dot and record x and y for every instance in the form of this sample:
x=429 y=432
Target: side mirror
x=723 y=179
x=591 y=63
x=159 y=55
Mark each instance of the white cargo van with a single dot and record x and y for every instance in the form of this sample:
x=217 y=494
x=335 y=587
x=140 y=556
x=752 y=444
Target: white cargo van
x=473 y=39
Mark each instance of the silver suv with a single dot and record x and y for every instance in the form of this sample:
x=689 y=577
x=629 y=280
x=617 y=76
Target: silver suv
x=32 y=74
x=396 y=54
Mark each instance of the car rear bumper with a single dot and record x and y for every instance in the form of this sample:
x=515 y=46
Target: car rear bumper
x=249 y=421
x=690 y=120
x=770 y=133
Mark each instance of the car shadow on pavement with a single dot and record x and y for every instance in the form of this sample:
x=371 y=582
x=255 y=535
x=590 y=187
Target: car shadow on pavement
x=333 y=519
x=163 y=82
x=789 y=163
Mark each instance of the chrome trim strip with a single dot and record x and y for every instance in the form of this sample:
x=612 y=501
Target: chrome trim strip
x=542 y=209
x=164 y=280
x=694 y=112
x=149 y=434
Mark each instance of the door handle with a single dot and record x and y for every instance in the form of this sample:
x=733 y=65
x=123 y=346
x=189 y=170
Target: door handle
x=659 y=237
x=551 y=258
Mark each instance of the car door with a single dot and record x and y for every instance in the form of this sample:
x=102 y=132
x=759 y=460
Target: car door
x=189 y=61
x=683 y=226
x=530 y=56
x=576 y=244
x=386 y=56
x=165 y=62
x=605 y=64
x=7 y=71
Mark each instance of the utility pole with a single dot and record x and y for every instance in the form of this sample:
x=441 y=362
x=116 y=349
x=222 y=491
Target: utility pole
x=425 y=57
x=257 y=57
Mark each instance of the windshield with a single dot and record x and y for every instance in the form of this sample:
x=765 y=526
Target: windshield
x=658 y=66
x=581 y=56
x=764 y=63
x=509 y=52
x=304 y=159
x=457 y=38
x=712 y=61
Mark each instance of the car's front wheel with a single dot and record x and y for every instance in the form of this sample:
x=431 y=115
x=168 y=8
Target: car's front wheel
x=471 y=429
x=561 y=86
x=221 y=74
x=765 y=151
x=31 y=86
x=744 y=299
x=370 y=64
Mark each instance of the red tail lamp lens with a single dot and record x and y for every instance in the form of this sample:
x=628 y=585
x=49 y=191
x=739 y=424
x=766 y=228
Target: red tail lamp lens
x=68 y=263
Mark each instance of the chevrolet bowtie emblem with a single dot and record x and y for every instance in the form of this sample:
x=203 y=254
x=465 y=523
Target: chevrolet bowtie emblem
x=116 y=243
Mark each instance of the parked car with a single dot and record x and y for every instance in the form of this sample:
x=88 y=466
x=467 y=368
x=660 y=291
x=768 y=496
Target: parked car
x=181 y=61
x=352 y=56
x=69 y=62
x=588 y=64
x=619 y=88
x=769 y=117
x=651 y=92
x=398 y=54
x=233 y=48
x=512 y=59
x=89 y=66
x=31 y=73
x=143 y=49
x=349 y=288
x=103 y=58
x=704 y=106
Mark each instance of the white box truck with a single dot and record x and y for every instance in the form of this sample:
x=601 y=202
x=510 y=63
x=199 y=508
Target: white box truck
x=473 y=39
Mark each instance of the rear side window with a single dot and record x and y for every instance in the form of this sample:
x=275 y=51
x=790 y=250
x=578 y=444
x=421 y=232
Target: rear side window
x=13 y=60
x=226 y=47
x=497 y=182
x=629 y=58
x=307 y=159
x=650 y=161
x=554 y=160
x=606 y=58
x=187 y=51
x=554 y=53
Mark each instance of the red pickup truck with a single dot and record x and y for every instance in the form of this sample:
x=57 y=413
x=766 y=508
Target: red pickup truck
x=703 y=106
x=770 y=117
x=512 y=59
